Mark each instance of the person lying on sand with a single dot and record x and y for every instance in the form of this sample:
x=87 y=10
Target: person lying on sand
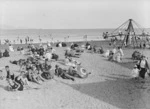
x=71 y=53
x=17 y=62
x=71 y=62
x=79 y=50
x=78 y=71
x=62 y=73
x=20 y=62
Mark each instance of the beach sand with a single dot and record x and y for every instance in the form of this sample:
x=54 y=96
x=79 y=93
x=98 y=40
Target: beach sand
x=108 y=87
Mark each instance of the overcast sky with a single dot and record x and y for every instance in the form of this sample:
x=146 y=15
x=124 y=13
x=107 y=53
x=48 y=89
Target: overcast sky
x=73 y=14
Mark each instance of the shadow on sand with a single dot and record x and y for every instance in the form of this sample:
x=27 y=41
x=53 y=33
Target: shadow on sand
x=121 y=93
x=127 y=63
x=4 y=87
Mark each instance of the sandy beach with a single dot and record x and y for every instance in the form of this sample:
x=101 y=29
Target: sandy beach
x=74 y=54
x=110 y=86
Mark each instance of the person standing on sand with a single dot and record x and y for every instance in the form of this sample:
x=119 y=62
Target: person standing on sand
x=120 y=51
x=143 y=67
x=26 y=40
x=20 y=41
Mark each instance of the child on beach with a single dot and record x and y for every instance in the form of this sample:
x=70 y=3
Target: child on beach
x=135 y=72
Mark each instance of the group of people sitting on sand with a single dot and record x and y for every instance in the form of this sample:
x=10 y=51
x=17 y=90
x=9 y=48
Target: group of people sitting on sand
x=30 y=70
x=37 y=68
x=114 y=54
x=42 y=53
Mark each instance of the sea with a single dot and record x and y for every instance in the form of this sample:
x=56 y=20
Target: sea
x=51 y=35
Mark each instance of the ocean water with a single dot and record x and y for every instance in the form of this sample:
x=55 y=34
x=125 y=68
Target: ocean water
x=52 y=35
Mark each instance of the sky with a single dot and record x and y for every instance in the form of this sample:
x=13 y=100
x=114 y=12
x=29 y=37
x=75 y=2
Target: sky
x=72 y=14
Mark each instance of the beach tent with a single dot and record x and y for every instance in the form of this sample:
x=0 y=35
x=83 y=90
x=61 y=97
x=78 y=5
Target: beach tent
x=130 y=32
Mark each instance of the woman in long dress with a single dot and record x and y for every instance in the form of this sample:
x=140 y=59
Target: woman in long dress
x=143 y=67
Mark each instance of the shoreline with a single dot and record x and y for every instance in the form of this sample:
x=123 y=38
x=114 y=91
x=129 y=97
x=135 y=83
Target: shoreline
x=92 y=42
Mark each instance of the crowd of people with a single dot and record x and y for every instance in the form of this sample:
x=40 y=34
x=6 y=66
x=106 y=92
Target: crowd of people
x=141 y=68
x=114 y=54
x=37 y=68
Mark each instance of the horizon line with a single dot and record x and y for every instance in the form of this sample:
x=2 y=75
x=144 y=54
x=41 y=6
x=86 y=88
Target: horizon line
x=57 y=28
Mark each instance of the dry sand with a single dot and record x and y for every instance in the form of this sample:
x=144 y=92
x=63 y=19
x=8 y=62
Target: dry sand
x=108 y=87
